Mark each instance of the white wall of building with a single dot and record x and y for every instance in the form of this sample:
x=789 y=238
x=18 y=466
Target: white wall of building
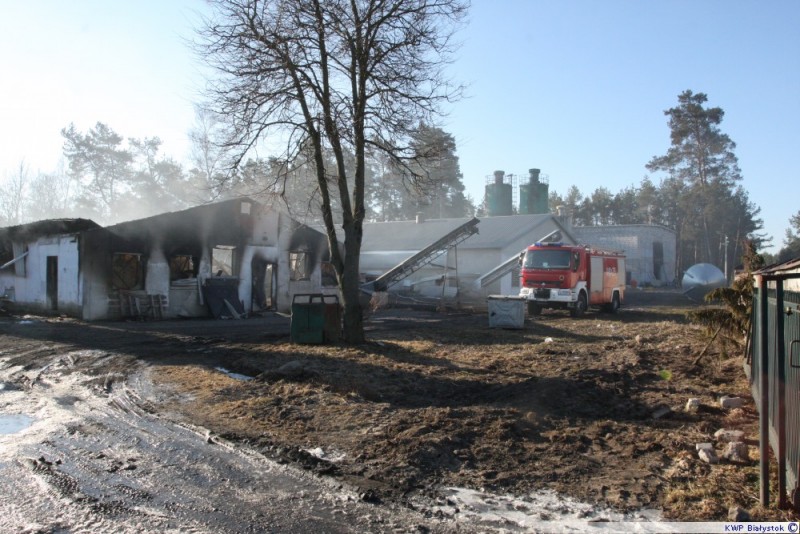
x=30 y=289
x=638 y=242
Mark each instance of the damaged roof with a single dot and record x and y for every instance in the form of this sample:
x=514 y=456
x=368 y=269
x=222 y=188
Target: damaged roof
x=228 y=221
x=35 y=230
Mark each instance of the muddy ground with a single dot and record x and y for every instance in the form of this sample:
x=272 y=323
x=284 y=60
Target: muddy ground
x=589 y=408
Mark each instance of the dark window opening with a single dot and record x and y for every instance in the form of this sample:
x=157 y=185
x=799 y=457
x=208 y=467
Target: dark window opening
x=6 y=252
x=127 y=272
x=12 y=256
x=298 y=266
x=180 y=267
x=223 y=260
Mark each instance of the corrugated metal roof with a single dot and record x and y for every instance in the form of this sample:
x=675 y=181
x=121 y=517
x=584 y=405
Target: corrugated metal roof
x=590 y=229
x=498 y=232
x=493 y=232
x=406 y=235
x=785 y=267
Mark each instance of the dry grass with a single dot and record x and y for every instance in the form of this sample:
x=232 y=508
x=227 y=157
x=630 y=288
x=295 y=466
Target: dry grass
x=564 y=404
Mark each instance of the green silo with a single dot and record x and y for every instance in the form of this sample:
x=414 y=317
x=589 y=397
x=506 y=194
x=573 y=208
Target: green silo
x=499 y=196
x=534 y=195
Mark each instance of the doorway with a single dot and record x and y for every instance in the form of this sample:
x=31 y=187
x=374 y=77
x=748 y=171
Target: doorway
x=658 y=260
x=265 y=287
x=52 y=282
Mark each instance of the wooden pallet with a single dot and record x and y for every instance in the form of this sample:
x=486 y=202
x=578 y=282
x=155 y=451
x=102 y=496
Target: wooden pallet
x=138 y=305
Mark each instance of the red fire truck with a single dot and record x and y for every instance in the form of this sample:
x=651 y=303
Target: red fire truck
x=555 y=275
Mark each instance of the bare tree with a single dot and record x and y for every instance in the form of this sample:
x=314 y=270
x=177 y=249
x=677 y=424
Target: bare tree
x=52 y=195
x=340 y=75
x=12 y=195
x=206 y=153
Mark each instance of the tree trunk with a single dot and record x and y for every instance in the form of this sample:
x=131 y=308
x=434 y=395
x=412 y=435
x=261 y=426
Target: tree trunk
x=350 y=286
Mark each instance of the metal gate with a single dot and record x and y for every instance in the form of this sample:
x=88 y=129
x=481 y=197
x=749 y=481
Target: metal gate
x=773 y=368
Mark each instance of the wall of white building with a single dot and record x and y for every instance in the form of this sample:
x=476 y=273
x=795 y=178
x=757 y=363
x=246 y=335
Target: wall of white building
x=26 y=281
x=638 y=242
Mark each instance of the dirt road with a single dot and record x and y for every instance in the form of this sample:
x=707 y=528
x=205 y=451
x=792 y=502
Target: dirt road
x=438 y=424
x=82 y=451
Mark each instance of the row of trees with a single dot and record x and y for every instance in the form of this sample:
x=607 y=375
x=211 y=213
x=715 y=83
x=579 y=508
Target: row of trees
x=672 y=203
x=109 y=178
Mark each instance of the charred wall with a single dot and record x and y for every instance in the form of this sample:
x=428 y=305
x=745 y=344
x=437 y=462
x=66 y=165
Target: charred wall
x=252 y=235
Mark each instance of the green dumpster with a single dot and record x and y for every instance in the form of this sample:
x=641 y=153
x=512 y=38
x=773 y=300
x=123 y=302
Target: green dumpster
x=333 y=318
x=315 y=318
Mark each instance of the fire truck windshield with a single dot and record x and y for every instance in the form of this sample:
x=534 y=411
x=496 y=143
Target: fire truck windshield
x=546 y=259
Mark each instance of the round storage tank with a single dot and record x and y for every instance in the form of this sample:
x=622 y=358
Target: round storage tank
x=533 y=198
x=534 y=195
x=499 y=196
x=701 y=278
x=541 y=198
x=499 y=199
x=525 y=206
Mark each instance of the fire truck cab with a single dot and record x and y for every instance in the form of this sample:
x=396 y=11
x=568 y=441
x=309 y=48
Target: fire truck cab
x=555 y=275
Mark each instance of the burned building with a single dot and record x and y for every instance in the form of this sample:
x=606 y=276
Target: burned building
x=224 y=259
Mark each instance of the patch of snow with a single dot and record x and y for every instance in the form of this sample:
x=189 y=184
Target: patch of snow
x=47 y=415
x=544 y=511
x=235 y=376
x=332 y=455
x=13 y=423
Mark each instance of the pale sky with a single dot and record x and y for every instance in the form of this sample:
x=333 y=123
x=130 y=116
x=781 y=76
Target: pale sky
x=576 y=88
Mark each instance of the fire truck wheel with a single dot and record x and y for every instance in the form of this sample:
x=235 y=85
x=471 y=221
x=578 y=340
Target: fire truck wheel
x=534 y=309
x=580 y=306
x=613 y=306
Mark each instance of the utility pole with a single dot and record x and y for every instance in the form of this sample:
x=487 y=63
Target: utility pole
x=726 y=258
